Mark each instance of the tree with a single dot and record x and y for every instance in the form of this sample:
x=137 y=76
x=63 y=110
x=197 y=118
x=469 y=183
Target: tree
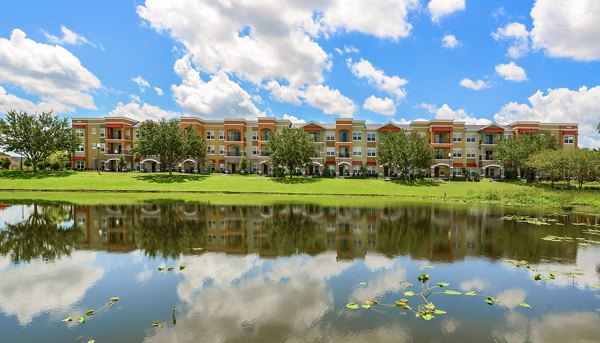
x=169 y=142
x=60 y=158
x=291 y=148
x=194 y=145
x=243 y=164
x=121 y=163
x=584 y=165
x=36 y=136
x=5 y=163
x=515 y=152
x=407 y=151
x=549 y=164
x=27 y=163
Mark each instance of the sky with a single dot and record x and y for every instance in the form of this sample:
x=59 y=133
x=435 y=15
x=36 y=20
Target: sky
x=373 y=60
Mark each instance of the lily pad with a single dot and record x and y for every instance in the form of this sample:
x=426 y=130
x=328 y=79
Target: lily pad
x=157 y=324
x=525 y=305
x=68 y=319
x=451 y=292
x=353 y=306
x=443 y=284
x=114 y=299
x=439 y=312
x=160 y=269
x=471 y=293
x=425 y=267
x=89 y=313
x=182 y=267
x=363 y=283
x=491 y=300
x=427 y=316
x=409 y=293
x=170 y=269
x=81 y=320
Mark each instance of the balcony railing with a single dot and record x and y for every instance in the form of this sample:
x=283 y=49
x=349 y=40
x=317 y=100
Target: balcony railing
x=344 y=139
x=264 y=153
x=488 y=141
x=344 y=155
x=441 y=141
x=234 y=154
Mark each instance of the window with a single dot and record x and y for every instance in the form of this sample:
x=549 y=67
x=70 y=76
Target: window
x=471 y=138
x=222 y=167
x=80 y=148
x=370 y=136
x=254 y=135
x=457 y=137
x=356 y=151
x=569 y=139
x=255 y=150
x=102 y=148
x=507 y=136
x=330 y=136
x=255 y=170
x=80 y=165
x=456 y=172
x=210 y=135
x=137 y=133
x=222 y=135
x=93 y=146
x=457 y=153
x=221 y=150
x=210 y=150
x=422 y=134
x=357 y=136
x=93 y=131
x=79 y=132
x=330 y=151
x=102 y=133
x=371 y=152
x=470 y=153
x=371 y=170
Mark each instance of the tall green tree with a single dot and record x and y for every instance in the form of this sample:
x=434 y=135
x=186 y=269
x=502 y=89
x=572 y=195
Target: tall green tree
x=407 y=151
x=194 y=145
x=36 y=136
x=515 y=152
x=172 y=144
x=291 y=148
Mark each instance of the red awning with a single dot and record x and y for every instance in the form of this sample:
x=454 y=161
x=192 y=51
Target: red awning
x=569 y=132
x=356 y=163
x=79 y=126
x=471 y=165
x=313 y=128
x=113 y=125
x=78 y=158
x=457 y=164
x=221 y=161
x=137 y=159
x=330 y=163
x=441 y=129
x=389 y=129
x=493 y=130
x=210 y=161
x=371 y=163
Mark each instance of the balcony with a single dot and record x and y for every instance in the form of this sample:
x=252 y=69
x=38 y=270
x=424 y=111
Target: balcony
x=485 y=162
x=263 y=153
x=488 y=142
x=235 y=139
x=344 y=140
x=441 y=141
x=234 y=154
x=344 y=155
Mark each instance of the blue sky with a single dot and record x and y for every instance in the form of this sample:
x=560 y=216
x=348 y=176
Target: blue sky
x=386 y=60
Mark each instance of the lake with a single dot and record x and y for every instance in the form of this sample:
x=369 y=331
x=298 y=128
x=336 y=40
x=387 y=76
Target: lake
x=297 y=273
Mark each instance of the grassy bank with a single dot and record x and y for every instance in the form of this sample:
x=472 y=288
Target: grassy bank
x=72 y=186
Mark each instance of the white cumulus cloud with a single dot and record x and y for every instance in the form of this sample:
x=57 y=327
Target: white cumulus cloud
x=560 y=105
x=141 y=82
x=330 y=101
x=441 y=8
x=158 y=91
x=141 y=112
x=48 y=71
x=511 y=72
x=377 y=77
x=518 y=35
x=218 y=97
x=450 y=42
x=474 y=85
x=294 y=119
x=567 y=28
x=446 y=112
x=69 y=37
x=383 y=106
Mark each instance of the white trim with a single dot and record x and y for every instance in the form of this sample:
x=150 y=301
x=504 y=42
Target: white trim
x=440 y=164
x=317 y=163
x=493 y=165
x=149 y=159
x=188 y=160
x=339 y=164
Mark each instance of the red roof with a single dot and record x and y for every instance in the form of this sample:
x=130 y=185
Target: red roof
x=313 y=128
x=389 y=129
x=441 y=129
x=494 y=129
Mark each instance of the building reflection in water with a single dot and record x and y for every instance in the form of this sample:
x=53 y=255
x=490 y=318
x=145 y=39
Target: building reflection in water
x=428 y=231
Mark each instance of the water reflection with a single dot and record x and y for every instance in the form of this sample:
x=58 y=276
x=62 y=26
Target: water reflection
x=285 y=272
x=430 y=232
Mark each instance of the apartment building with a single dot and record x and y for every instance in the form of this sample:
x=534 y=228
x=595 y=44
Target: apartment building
x=344 y=146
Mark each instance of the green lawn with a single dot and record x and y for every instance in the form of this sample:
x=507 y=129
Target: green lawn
x=252 y=185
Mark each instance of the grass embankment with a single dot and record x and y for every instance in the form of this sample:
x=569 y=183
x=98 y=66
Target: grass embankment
x=134 y=187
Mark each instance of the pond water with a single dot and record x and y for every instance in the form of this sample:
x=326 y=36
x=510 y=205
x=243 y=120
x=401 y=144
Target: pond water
x=286 y=273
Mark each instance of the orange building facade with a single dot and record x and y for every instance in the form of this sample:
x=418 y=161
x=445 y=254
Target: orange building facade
x=344 y=147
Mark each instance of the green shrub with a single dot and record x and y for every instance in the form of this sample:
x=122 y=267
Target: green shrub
x=510 y=174
x=55 y=166
x=41 y=166
x=5 y=163
x=458 y=178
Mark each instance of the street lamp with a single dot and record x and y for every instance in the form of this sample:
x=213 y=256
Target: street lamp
x=450 y=164
x=98 y=159
x=117 y=163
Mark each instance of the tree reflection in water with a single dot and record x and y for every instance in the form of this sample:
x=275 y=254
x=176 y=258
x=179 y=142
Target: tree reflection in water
x=292 y=232
x=40 y=235
x=169 y=234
